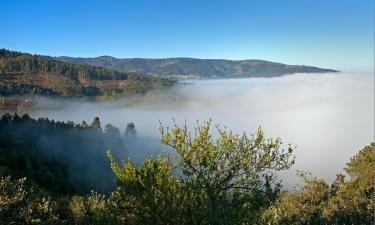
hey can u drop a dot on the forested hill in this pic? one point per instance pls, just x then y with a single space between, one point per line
197 68
52 172
26 74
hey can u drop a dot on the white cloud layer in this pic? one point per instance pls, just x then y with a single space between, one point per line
328 116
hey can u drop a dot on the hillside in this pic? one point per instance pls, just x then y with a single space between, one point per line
56 172
197 68
26 74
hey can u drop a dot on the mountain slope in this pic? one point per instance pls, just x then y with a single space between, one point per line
22 73
197 68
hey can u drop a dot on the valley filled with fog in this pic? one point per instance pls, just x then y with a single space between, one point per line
329 117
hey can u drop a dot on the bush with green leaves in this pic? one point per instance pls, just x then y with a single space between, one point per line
21 204
222 180
12 194
212 176
348 201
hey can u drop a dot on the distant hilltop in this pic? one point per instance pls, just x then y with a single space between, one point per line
187 68
27 74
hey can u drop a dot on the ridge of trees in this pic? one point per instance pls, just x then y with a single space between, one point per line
61 157
225 178
26 74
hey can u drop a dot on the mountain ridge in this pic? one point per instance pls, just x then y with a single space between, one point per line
30 74
186 67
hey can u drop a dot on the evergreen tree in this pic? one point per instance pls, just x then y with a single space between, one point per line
96 123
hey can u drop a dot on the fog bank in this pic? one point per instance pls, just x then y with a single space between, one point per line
328 116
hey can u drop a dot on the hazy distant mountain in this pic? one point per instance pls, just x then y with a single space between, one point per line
197 68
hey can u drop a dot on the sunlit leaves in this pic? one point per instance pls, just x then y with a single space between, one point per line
229 169
344 202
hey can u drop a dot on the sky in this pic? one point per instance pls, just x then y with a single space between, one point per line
337 34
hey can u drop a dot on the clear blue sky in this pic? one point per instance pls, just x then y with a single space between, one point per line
328 33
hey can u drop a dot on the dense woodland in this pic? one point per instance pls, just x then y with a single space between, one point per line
61 157
26 74
229 179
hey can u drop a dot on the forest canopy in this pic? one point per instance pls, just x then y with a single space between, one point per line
225 178
27 74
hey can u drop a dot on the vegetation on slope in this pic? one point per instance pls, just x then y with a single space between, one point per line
26 74
348 201
225 180
198 68
61 157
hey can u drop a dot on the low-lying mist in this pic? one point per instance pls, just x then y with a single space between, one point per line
329 117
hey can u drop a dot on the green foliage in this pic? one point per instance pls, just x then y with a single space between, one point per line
96 124
149 193
67 88
62 157
26 74
353 202
304 206
213 178
19 204
344 202
235 172
12 193
226 180
91 209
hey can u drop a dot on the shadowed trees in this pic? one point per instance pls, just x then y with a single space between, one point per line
214 177
62 157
